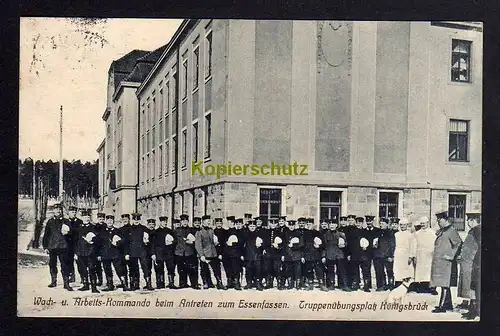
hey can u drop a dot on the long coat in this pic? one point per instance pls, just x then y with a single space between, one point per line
204 243
476 263
405 249
53 237
332 250
424 239
447 243
466 258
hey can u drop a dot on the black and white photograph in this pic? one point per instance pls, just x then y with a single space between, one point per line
250 169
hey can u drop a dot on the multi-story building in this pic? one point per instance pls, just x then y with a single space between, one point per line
386 116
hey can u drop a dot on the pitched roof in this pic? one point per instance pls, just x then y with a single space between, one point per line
143 65
125 64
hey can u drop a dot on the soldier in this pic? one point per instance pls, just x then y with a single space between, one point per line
404 252
424 240
383 257
99 226
294 243
334 257
348 229
254 244
163 247
323 226
247 218
282 226
220 232
186 254
446 247
311 257
372 234
197 226
359 248
205 243
233 254
55 242
136 253
272 253
86 246
150 229
110 240
259 222
124 231
73 222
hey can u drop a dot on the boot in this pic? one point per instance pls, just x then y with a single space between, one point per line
210 283
291 283
160 281
205 283
85 285
230 282
132 283
53 281
269 282
259 285
440 308
109 285
237 283
299 284
171 284
280 283
66 284
99 279
367 286
94 286
390 285
220 285
72 278
322 285
249 283
310 285
303 283
355 286
148 284
124 283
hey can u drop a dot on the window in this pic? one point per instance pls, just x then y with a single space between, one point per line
147 168
184 148
167 157
153 138
153 166
459 140
167 127
208 53
143 171
174 91
196 67
270 203
160 109
174 145
460 60
456 211
153 119
160 166
148 116
143 147
119 163
388 204
174 121
167 100
160 132
208 135
195 142
148 143
330 204
184 78
205 199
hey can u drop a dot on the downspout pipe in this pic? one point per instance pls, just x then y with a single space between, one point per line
176 149
138 152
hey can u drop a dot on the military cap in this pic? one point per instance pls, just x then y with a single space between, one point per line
334 220
163 218
151 220
360 219
404 220
57 206
384 219
101 215
110 217
351 216
282 217
136 216
239 220
264 221
395 220
257 218
474 215
85 212
292 222
126 216
196 219
343 218
176 221
72 208
442 215
251 222
218 220
369 218
205 217
272 221
184 217
301 219
248 216
310 220
231 218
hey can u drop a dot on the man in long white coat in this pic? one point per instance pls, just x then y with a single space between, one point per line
424 239
404 253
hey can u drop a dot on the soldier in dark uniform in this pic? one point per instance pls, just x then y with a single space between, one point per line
99 226
294 243
246 218
163 247
347 227
372 234
110 240
383 256
55 242
334 257
282 226
86 249
150 226
220 232
73 222
233 254
136 253
254 244
259 222
272 253
358 244
124 231
206 248
185 254
311 257
323 228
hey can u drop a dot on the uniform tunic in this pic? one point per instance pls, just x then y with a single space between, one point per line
110 253
424 239
53 237
467 254
447 243
404 249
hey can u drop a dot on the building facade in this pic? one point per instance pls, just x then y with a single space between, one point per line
387 116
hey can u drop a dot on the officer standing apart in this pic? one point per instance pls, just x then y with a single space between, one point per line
446 246
55 242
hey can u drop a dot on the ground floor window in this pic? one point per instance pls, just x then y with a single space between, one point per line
388 204
330 204
456 211
270 203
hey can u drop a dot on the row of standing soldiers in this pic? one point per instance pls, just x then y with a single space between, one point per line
291 252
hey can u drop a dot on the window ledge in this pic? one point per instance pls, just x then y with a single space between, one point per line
196 89
207 159
450 82
184 168
459 163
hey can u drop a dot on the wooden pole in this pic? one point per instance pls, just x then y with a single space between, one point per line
60 155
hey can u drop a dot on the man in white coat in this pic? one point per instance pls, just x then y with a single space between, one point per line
424 248
404 253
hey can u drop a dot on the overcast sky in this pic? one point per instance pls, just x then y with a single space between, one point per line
63 62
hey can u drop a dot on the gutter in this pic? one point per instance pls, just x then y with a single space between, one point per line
176 154
138 151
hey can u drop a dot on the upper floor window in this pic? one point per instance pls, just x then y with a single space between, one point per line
184 78
208 136
108 131
174 91
460 60
458 140
167 99
196 67
208 54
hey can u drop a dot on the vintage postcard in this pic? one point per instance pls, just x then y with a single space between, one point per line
250 169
